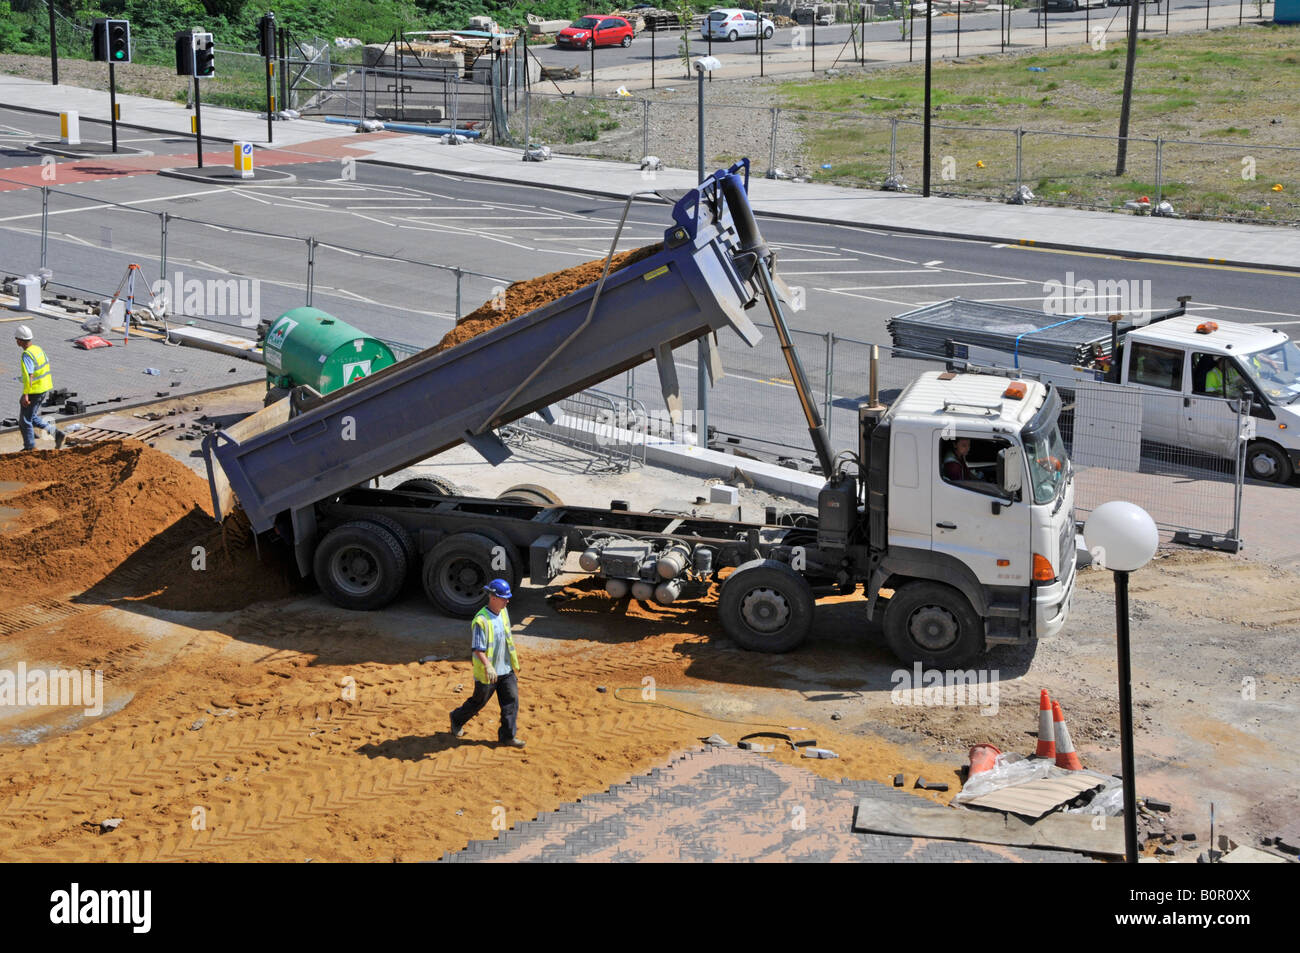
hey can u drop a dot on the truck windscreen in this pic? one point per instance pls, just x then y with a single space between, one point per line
1276 371
1049 465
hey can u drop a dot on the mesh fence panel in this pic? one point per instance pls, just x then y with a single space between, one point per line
1179 462
1235 180
91 243
20 230
269 274
973 161
588 126
1080 170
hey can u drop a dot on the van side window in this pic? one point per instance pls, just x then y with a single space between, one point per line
1156 366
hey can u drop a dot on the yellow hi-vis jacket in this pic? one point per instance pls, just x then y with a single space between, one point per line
40 380
483 620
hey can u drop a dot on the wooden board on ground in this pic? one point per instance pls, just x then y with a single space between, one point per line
1033 799
1060 831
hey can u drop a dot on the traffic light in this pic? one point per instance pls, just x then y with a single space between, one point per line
112 41
185 53
266 35
205 56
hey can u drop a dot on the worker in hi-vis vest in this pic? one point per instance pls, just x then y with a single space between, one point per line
37 383
495 666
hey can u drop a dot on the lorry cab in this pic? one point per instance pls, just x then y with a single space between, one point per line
1215 369
980 498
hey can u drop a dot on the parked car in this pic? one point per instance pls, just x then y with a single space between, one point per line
732 24
586 32
1072 5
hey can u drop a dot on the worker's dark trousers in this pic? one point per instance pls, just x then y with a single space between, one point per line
506 689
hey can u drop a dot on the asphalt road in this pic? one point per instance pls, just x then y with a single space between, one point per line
851 279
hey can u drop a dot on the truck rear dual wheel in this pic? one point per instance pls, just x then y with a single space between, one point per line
435 485
766 606
933 624
458 567
360 565
530 493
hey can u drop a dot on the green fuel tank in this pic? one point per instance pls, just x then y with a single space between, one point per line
309 346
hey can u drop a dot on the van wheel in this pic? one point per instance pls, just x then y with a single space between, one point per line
766 606
933 624
1267 462
360 565
457 569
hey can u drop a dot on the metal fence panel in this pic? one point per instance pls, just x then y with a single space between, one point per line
1181 463
91 243
610 427
20 230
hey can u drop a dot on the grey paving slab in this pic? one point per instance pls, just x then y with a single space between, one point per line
727 805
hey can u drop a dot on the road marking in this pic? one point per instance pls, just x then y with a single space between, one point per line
867 254
849 294
882 271
934 264
944 284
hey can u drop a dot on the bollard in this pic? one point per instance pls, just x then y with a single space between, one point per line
70 128
243 160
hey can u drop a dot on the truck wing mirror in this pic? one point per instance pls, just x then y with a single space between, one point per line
1011 468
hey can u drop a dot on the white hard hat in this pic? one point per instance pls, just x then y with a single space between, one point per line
23 333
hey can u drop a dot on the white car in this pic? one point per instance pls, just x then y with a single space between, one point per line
733 24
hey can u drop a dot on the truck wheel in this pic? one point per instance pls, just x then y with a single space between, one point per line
1267 462
766 606
360 565
435 485
530 493
933 624
457 569
399 533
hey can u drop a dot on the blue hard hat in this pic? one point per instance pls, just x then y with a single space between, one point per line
499 588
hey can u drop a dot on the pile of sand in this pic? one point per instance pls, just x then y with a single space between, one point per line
122 519
525 296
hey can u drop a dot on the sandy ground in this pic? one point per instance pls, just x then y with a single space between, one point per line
292 730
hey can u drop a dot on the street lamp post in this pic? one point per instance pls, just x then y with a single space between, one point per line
1122 538
703 64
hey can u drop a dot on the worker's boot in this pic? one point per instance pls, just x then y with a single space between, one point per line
515 742
59 437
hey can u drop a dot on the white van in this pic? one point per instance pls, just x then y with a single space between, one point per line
731 23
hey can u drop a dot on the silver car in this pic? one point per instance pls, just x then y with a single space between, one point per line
730 23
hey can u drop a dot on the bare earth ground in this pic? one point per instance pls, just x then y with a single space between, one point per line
291 730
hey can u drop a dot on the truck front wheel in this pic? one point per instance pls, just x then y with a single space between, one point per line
360 565
1267 462
766 606
933 624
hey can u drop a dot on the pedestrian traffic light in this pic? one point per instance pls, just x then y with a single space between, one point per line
185 53
111 41
205 56
266 35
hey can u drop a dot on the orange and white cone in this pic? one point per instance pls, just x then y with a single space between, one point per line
1065 756
1046 733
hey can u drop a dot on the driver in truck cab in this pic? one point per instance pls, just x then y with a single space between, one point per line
955 465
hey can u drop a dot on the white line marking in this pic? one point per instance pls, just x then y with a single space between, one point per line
946 284
848 294
934 264
869 271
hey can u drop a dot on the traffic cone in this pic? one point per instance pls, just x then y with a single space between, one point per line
983 757
1046 736
1065 756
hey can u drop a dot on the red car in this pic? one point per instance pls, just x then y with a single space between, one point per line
586 32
